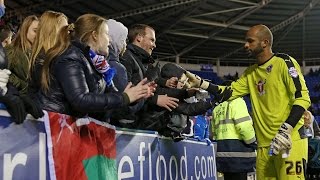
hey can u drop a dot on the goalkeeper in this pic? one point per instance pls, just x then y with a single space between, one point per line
279 97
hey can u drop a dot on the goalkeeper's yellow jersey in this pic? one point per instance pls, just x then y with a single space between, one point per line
274 87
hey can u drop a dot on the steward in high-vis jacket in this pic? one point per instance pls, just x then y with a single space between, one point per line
236 142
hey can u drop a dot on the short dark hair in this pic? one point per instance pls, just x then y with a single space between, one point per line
5 32
137 29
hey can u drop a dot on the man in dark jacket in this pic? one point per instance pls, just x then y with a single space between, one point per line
138 62
137 58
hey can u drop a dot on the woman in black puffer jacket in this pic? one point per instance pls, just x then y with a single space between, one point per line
70 84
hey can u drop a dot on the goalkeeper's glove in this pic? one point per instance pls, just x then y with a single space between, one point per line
195 81
282 140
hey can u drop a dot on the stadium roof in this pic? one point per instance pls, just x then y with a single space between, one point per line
202 31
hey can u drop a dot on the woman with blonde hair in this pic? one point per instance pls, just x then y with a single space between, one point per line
18 53
50 24
69 82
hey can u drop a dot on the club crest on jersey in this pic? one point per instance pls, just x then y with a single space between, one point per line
269 68
260 87
293 72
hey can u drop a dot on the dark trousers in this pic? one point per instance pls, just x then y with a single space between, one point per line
233 176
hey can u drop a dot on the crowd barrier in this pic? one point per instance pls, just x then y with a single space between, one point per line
34 150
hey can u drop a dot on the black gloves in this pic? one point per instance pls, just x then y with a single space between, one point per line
220 97
15 107
19 106
32 107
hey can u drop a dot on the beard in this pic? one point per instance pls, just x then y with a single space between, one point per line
254 52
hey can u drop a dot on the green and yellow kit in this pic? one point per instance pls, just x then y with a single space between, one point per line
274 87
